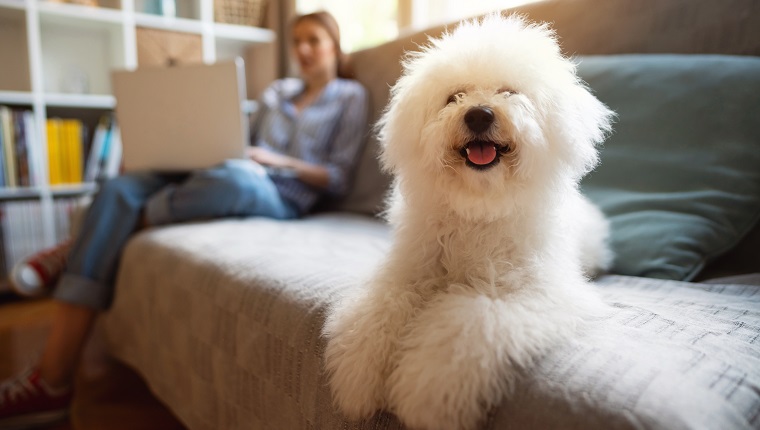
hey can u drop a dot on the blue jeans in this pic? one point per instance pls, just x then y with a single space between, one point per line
237 188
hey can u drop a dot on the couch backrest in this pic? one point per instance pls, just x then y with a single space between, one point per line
584 27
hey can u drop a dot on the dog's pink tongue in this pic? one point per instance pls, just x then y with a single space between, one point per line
481 153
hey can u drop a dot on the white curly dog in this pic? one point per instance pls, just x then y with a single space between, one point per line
487 134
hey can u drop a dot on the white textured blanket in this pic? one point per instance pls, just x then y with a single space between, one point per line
223 320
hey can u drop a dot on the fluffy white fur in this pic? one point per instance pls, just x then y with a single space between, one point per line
488 265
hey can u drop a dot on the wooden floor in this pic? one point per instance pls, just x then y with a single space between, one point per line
108 395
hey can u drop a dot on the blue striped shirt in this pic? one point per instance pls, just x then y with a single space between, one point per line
329 132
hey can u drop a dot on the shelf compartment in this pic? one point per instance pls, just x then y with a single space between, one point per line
159 48
14 52
78 55
234 40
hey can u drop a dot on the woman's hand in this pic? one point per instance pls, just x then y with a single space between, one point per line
269 158
312 174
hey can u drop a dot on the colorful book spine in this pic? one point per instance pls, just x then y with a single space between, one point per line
73 152
55 176
22 154
20 233
9 146
113 158
63 152
2 157
100 141
32 148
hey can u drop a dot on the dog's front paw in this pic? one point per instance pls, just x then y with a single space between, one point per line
356 357
355 380
445 401
456 362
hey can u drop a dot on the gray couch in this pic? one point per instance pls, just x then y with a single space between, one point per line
223 318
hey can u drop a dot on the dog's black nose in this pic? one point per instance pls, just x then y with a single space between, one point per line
478 119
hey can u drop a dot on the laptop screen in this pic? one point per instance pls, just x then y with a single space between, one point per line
183 117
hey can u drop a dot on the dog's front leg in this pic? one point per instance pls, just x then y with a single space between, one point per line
363 331
462 354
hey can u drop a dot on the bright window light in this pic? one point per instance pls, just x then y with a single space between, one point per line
366 23
363 23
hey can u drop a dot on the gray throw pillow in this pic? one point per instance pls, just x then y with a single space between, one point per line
679 177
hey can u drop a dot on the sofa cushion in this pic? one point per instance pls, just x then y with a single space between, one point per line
680 175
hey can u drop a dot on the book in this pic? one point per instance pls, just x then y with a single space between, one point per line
63 151
73 156
113 158
2 157
55 175
3 259
22 236
103 161
100 139
32 147
9 146
22 153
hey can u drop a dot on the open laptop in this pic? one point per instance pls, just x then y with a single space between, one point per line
183 117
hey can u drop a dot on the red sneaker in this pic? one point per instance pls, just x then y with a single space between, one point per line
36 275
28 401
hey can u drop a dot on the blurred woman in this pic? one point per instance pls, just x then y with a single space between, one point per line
306 135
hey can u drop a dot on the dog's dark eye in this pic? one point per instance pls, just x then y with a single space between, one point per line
454 97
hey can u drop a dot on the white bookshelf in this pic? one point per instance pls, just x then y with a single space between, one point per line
44 43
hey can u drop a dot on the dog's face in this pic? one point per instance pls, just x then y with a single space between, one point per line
478 130
489 116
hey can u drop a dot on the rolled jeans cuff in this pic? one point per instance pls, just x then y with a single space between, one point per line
81 291
157 211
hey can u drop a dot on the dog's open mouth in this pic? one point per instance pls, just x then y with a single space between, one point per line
483 154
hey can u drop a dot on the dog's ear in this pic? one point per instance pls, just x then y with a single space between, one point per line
581 123
399 129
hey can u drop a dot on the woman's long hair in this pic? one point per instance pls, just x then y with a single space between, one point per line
328 22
